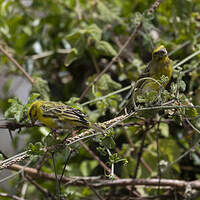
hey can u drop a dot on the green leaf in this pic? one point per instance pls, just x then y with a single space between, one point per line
94 32
169 147
17 110
115 158
81 40
102 151
104 48
71 56
91 32
35 149
108 15
182 85
107 142
33 97
106 83
1 157
164 128
87 166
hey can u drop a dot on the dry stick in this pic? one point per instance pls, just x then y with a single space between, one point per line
96 157
129 56
65 165
34 173
14 159
16 64
132 37
149 182
97 182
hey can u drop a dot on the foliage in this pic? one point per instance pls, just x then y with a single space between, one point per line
64 45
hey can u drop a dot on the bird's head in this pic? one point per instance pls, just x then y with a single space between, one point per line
159 53
33 111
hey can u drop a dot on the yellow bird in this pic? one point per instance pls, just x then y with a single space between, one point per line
159 66
57 115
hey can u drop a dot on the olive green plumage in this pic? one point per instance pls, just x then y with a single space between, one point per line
150 80
159 66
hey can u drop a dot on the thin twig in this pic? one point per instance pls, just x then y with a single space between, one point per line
16 64
95 157
67 160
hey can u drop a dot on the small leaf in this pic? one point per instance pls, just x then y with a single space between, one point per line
33 97
35 149
182 85
115 158
87 166
164 128
108 142
17 110
72 56
105 48
102 151
94 31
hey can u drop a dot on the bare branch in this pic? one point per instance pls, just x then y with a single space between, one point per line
16 64
100 182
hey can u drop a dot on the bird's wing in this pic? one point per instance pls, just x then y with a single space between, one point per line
73 114
64 113
144 74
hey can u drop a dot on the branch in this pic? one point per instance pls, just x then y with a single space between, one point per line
100 182
149 182
10 196
38 174
16 64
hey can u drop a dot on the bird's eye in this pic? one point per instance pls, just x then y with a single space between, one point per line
160 52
